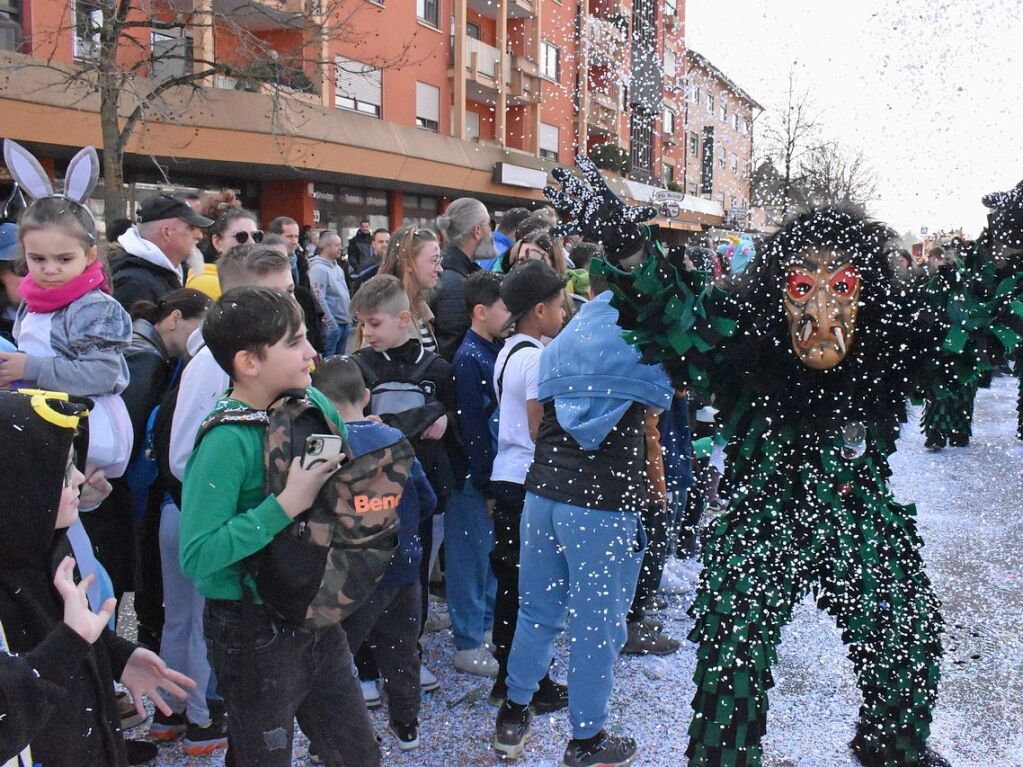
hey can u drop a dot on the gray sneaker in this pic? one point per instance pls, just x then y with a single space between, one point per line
607 749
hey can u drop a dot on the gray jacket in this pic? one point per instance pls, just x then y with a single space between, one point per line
88 337
331 291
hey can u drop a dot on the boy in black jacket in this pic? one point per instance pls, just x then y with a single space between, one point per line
411 389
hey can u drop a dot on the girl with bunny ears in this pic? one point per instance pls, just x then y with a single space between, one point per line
71 333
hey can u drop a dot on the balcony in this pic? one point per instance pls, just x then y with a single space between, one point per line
521 79
602 114
604 41
517 9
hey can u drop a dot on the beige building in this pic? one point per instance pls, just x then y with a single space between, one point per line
718 139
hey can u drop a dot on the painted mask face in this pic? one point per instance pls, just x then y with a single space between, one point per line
822 290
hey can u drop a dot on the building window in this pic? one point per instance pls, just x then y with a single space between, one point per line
721 160
427 106
721 199
172 55
10 25
472 30
694 144
724 111
669 62
88 22
667 174
694 93
710 103
735 164
744 127
426 10
358 86
550 61
550 140
472 125
668 121
735 120
670 8
693 189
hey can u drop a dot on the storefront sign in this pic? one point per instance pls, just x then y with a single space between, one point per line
518 175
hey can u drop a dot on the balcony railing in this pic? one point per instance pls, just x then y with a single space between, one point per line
602 112
521 75
604 41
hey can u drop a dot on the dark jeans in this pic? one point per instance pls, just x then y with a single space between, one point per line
270 673
388 627
504 560
655 524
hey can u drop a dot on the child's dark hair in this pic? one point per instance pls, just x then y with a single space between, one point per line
191 304
383 293
72 217
117 227
340 379
249 319
482 288
582 252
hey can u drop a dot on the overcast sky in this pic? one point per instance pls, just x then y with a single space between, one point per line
931 90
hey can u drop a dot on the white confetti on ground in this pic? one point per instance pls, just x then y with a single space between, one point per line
969 502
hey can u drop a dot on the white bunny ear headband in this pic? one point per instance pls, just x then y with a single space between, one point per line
79 181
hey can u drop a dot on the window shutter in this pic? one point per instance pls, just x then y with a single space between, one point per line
359 81
428 102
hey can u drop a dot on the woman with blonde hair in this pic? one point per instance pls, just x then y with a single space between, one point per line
413 256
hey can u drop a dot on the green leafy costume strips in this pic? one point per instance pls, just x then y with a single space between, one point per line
812 511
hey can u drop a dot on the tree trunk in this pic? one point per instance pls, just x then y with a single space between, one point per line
115 196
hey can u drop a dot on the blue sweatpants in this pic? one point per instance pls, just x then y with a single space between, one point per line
470 583
584 563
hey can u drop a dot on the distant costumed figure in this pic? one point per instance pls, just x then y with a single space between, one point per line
811 361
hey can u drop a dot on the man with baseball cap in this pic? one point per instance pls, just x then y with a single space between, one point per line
146 262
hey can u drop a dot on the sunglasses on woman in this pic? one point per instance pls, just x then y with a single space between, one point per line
243 237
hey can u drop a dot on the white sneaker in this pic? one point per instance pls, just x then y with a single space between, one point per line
476 661
680 576
488 641
427 681
436 620
370 693
674 583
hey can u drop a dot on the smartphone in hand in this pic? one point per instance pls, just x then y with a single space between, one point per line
320 448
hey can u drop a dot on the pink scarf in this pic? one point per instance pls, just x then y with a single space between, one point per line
46 300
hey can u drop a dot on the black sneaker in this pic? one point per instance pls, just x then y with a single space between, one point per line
167 727
140 752
550 697
512 730
605 749
203 741
407 734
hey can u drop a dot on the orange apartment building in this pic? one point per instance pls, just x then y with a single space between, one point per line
422 101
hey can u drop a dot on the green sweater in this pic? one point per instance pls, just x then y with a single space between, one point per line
226 514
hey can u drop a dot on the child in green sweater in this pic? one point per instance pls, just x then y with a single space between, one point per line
268 671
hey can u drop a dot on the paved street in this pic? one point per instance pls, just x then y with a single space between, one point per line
969 502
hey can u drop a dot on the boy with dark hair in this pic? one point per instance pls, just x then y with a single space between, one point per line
468 528
389 622
411 389
583 536
532 292
268 673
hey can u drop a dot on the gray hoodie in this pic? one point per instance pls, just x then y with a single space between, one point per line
331 291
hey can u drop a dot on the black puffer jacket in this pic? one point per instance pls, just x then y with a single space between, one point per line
135 279
451 318
611 478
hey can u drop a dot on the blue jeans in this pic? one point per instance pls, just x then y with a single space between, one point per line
471 586
336 341
585 562
183 644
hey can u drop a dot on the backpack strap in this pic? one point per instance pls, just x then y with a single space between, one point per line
500 378
245 416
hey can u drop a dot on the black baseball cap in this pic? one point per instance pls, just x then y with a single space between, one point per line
529 283
163 206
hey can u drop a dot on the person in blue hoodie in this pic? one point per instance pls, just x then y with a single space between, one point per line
389 622
582 530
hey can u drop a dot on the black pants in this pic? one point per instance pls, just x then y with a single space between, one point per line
270 673
387 627
655 523
111 529
149 575
504 559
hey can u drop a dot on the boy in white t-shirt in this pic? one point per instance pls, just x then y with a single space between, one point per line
533 294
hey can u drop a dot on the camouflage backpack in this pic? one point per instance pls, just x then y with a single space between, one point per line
319 569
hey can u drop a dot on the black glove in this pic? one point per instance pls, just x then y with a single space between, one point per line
1005 221
597 213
